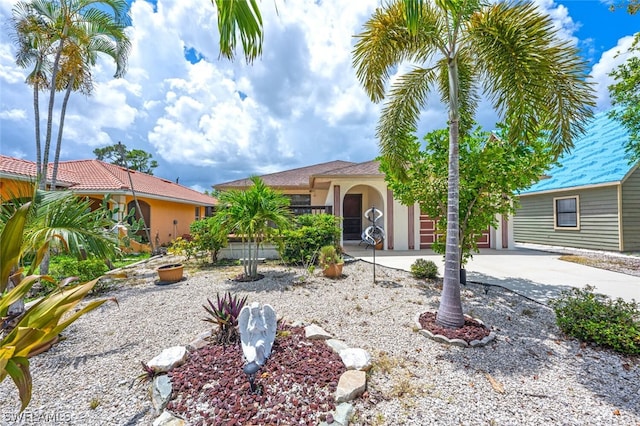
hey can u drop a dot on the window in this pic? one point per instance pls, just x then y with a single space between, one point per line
566 212
299 199
197 213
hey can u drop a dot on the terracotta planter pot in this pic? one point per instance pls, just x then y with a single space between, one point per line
171 273
380 245
333 271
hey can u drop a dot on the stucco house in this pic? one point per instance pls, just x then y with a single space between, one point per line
167 207
591 200
348 190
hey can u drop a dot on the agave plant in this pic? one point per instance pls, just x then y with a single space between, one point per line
224 313
41 324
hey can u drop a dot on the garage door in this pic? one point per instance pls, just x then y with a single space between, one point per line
428 234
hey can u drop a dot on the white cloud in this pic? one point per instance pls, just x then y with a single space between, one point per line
13 114
610 60
302 102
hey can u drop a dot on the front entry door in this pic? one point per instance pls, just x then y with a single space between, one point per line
352 217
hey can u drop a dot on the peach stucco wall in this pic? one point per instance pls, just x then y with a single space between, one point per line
10 188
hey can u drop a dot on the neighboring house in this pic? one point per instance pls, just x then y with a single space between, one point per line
348 190
167 207
591 201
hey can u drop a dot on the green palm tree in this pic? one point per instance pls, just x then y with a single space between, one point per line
256 215
507 51
72 32
33 49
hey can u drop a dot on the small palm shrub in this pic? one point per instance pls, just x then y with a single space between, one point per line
598 319
328 256
224 313
423 268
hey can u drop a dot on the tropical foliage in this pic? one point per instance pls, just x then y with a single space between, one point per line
61 40
41 323
240 18
507 51
301 243
224 314
625 97
255 215
492 172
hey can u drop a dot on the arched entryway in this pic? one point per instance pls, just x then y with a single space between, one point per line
356 201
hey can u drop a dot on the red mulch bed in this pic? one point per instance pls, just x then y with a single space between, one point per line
470 331
297 383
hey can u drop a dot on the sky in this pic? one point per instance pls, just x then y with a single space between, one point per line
207 120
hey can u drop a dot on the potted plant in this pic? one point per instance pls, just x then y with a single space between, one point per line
330 261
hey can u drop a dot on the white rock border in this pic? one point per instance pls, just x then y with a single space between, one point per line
456 342
340 416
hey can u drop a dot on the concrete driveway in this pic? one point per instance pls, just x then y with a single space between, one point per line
538 275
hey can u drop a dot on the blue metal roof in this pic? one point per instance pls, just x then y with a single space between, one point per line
597 157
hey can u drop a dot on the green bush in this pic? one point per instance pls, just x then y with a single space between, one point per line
206 236
596 318
85 270
423 268
300 245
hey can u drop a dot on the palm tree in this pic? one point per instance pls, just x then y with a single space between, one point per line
255 215
507 51
73 32
32 49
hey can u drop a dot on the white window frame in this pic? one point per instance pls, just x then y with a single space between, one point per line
555 214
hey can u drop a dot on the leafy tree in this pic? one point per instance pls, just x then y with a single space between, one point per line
62 39
136 159
625 95
256 215
492 172
509 51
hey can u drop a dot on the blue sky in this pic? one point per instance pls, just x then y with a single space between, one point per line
206 120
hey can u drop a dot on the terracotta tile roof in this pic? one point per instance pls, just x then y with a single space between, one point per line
16 166
294 178
87 176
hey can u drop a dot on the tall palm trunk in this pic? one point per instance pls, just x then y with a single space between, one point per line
36 113
63 112
450 310
52 97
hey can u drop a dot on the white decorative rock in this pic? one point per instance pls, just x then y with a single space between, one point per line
314 332
355 359
160 392
337 345
168 419
343 413
351 385
169 358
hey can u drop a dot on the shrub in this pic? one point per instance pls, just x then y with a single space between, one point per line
596 318
85 270
224 313
311 232
423 268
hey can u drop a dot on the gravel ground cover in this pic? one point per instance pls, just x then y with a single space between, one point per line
531 374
